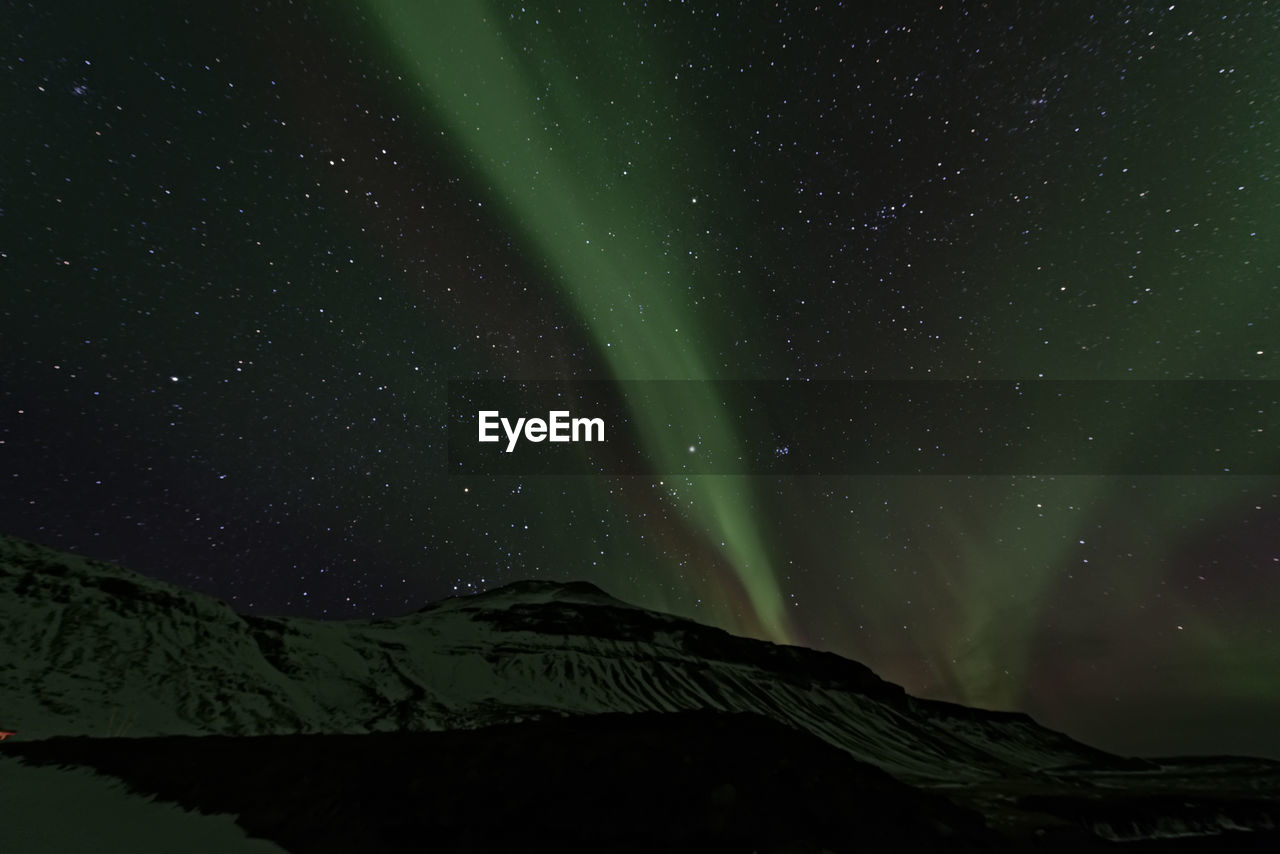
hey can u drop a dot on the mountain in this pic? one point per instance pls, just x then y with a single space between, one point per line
95 647
94 651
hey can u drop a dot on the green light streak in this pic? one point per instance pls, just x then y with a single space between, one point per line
556 133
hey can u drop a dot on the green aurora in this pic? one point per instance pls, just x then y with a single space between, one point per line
524 117
546 121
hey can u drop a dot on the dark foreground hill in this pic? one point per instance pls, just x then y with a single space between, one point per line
643 783
679 782
553 715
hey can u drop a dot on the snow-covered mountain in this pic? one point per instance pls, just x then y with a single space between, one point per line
94 649
91 649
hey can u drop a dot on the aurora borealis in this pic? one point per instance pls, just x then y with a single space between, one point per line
243 252
510 99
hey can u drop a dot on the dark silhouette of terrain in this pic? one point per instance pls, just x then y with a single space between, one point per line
648 782
680 782
545 715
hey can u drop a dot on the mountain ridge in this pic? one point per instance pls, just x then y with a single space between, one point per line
98 638
98 652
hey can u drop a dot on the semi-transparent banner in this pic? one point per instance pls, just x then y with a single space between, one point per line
987 427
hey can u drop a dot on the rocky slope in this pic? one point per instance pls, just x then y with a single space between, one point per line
91 649
94 649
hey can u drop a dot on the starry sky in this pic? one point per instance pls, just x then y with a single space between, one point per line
245 247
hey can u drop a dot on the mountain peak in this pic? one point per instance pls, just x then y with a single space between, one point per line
567 588
531 592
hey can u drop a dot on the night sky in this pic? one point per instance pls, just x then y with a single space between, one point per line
244 247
